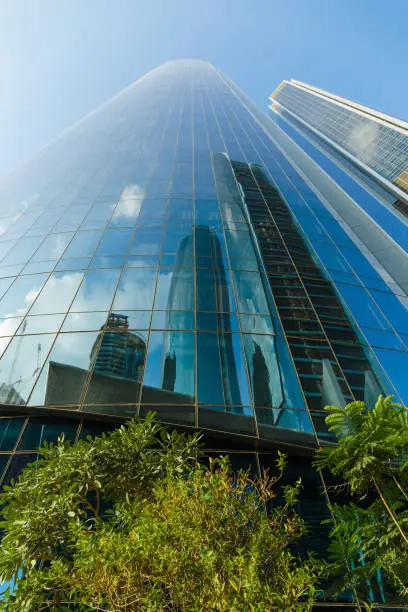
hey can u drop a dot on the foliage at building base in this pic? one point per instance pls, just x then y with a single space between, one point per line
133 521
369 546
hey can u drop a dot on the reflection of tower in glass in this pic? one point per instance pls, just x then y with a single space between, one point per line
322 339
121 353
260 378
211 288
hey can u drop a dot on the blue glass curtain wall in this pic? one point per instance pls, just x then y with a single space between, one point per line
131 278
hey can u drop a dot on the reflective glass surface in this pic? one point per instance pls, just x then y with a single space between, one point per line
165 255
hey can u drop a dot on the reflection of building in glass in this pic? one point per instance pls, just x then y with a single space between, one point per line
320 335
115 370
119 352
10 395
220 371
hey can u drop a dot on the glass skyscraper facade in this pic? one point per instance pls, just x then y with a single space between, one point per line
172 252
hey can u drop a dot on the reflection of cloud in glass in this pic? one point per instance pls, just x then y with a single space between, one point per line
130 202
136 289
57 293
363 141
21 295
6 223
9 326
74 349
69 351
22 362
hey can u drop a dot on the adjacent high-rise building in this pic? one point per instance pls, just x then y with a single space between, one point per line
179 251
374 142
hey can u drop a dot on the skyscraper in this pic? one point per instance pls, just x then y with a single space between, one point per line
253 291
374 142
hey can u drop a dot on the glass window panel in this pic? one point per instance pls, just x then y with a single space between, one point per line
359 263
140 175
182 179
165 319
5 284
142 261
363 307
71 218
146 241
179 240
175 289
118 368
38 266
264 370
250 293
231 211
252 324
209 262
58 293
67 369
158 187
136 290
240 245
22 251
331 256
137 319
97 290
72 264
395 364
6 246
4 342
206 210
376 337
39 431
126 213
21 364
38 324
169 374
184 260
154 209
227 322
11 270
206 290
396 312
9 430
209 242
52 247
84 321
9 326
111 190
293 396
107 262
114 242
21 295
207 321
99 215
83 244
180 209
241 372
211 377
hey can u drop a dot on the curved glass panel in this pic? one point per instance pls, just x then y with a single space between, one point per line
164 254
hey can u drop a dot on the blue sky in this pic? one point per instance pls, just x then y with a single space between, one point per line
61 58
